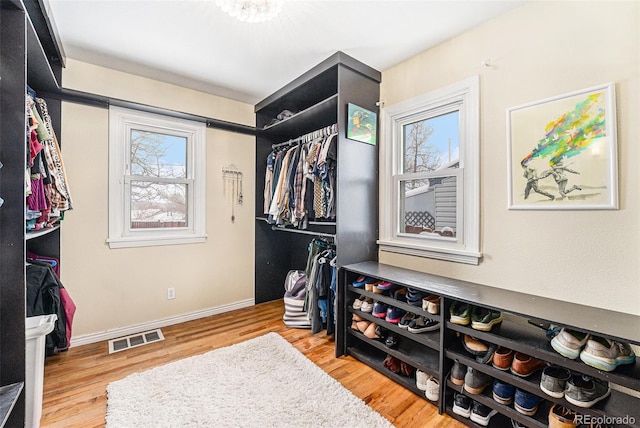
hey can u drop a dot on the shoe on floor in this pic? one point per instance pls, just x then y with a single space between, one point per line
584 391
462 405
561 417
484 319
525 365
526 403
503 392
605 354
423 324
457 373
569 343
481 414
460 313
476 381
433 389
554 380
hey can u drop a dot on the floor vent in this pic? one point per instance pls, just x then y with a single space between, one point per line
135 340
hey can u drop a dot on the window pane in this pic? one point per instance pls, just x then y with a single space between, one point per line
158 205
158 155
431 144
428 206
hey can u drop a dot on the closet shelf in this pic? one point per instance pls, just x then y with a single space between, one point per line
41 232
314 117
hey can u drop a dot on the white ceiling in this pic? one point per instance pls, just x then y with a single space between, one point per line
192 43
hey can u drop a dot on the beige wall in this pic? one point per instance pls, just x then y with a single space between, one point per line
540 50
118 288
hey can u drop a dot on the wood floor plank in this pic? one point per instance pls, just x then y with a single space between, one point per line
75 382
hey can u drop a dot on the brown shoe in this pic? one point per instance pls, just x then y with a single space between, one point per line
561 417
474 346
524 365
502 358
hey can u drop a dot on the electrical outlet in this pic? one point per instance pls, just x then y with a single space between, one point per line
171 293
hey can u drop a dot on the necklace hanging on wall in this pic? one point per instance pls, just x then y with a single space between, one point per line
232 179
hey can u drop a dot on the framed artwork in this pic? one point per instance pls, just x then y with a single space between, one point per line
362 124
562 152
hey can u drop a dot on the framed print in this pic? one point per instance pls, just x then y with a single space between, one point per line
362 124
562 152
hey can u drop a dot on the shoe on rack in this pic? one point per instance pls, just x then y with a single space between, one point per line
381 332
423 324
370 331
526 403
460 313
525 365
361 281
400 294
394 315
379 310
561 417
414 296
502 358
605 354
357 304
474 346
367 305
433 389
569 343
584 391
516 424
371 284
431 304
457 373
385 286
554 380
503 392
392 363
476 381
391 340
462 405
421 380
481 414
484 319
406 320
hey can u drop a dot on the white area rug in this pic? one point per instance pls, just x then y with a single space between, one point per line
263 382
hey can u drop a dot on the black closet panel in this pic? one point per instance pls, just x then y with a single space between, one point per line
272 257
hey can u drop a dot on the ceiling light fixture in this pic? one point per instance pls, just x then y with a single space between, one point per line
251 10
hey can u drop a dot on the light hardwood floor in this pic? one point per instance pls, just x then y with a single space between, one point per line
75 382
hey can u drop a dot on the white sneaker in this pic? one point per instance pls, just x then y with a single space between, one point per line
433 389
421 380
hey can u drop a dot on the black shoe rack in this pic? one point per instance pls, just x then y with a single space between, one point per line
434 352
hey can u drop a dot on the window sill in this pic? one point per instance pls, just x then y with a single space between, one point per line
452 255
155 241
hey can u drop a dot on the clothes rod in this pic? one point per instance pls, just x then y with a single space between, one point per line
322 132
304 232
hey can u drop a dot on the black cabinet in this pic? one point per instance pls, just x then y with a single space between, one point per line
526 321
24 62
318 99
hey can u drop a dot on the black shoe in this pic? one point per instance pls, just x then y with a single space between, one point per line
462 405
481 414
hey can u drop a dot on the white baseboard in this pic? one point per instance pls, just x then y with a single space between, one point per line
86 339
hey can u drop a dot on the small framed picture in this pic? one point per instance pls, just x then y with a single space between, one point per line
362 125
562 152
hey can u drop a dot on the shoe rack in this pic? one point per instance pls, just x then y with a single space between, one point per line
520 330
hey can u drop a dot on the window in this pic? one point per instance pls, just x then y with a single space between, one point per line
430 175
156 179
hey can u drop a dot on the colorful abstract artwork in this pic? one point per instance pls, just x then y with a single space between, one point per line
362 124
562 152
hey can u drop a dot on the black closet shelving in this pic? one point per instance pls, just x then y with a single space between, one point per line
318 99
519 331
30 56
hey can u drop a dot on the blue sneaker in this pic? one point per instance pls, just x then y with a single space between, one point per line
503 392
394 315
380 310
526 403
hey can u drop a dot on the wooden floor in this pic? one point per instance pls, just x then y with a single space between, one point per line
75 382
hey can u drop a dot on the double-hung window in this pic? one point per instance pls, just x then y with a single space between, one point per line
430 175
156 179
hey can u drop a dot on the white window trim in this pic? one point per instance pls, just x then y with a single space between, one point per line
120 122
465 248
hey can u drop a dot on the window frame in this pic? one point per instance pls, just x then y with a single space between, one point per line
464 97
121 235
